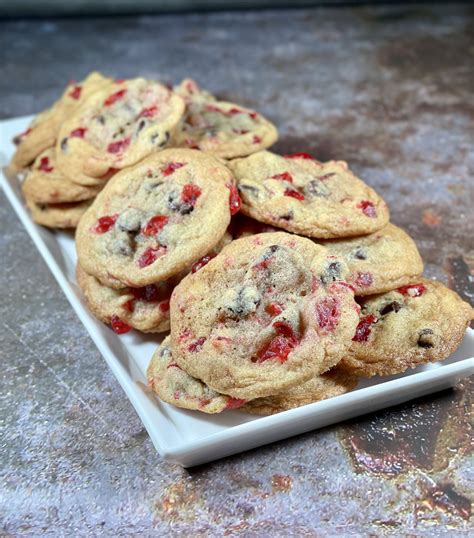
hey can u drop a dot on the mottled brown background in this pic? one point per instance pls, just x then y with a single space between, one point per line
390 89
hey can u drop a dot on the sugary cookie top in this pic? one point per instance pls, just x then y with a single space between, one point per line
157 218
119 125
305 196
225 129
419 322
380 261
270 311
173 385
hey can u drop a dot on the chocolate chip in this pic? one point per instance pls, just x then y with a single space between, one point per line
426 338
248 188
154 137
332 273
394 306
17 139
273 248
245 302
141 125
100 119
360 253
287 217
317 188
183 208
165 141
64 144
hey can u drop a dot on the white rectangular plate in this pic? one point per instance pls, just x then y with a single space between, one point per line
190 438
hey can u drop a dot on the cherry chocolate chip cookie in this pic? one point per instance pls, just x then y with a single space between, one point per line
46 184
174 386
117 127
145 309
155 219
304 196
417 323
60 215
378 262
43 131
225 129
269 312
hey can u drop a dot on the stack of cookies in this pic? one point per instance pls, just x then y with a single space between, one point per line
308 288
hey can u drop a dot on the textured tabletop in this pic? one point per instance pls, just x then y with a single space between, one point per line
388 89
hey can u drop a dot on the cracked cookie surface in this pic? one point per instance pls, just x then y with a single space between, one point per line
155 219
116 127
415 324
43 130
307 197
270 311
225 129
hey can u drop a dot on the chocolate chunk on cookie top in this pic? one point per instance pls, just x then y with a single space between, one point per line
155 219
417 323
379 262
117 127
304 196
225 129
173 385
270 311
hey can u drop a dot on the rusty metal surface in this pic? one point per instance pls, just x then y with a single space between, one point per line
390 89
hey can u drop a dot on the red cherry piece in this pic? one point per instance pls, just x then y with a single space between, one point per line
326 176
279 347
171 167
274 309
44 165
284 176
294 194
111 99
155 225
119 145
129 305
23 135
75 93
164 306
212 108
118 326
148 112
240 131
234 111
256 139
368 208
328 313
234 403
301 155
105 223
364 328
364 280
79 132
202 262
412 290
196 345
253 115
234 200
149 256
190 194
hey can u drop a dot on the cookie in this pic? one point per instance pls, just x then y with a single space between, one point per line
379 262
46 184
307 197
415 324
322 387
174 386
65 215
269 312
115 128
44 129
145 309
153 220
225 129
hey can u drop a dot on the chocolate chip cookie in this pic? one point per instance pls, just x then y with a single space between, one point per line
307 197
46 184
61 215
417 323
115 128
269 312
219 127
155 219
